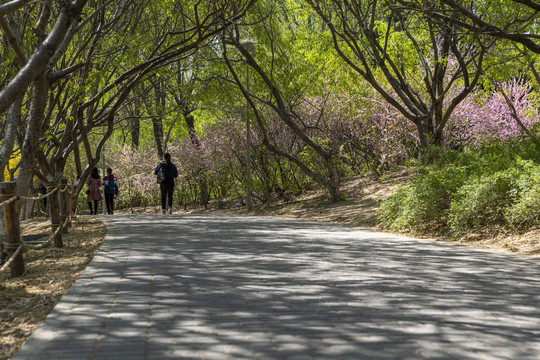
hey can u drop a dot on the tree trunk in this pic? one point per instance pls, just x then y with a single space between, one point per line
135 124
32 136
157 119
12 228
12 122
158 135
203 183
54 207
135 130
38 62
334 180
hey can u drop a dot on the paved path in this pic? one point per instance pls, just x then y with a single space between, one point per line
230 287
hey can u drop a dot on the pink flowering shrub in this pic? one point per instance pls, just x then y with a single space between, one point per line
134 169
372 135
484 118
214 161
364 131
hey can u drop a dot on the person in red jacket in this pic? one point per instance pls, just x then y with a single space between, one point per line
110 184
93 192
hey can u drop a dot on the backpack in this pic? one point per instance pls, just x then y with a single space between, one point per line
110 186
161 175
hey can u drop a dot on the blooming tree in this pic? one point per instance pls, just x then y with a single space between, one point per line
484 118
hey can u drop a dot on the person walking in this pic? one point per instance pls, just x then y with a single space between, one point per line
94 191
111 189
169 172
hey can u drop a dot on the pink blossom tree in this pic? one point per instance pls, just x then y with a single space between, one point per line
487 117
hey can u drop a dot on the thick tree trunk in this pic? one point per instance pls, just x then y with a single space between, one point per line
158 135
334 180
12 122
39 61
12 228
135 130
31 139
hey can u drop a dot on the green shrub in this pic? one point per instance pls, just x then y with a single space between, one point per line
499 184
483 201
525 212
390 208
493 158
422 206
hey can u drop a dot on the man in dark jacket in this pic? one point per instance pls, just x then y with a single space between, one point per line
170 173
110 188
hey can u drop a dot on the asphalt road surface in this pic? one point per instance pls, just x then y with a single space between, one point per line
236 287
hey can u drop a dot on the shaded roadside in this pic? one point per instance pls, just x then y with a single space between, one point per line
26 301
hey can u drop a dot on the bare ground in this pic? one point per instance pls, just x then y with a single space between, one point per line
25 301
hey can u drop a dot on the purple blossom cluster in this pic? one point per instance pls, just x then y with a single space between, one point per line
210 160
134 169
482 118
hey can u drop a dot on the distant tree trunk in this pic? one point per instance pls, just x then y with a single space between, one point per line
135 124
76 153
157 124
203 183
157 119
135 128
190 122
280 108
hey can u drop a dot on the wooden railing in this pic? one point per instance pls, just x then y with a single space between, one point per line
59 203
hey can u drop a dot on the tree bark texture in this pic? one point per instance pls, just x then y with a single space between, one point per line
12 227
38 62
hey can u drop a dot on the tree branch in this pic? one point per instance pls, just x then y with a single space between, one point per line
12 6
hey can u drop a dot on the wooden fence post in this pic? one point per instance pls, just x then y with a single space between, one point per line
54 207
12 227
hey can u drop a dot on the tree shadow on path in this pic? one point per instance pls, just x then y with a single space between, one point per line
234 287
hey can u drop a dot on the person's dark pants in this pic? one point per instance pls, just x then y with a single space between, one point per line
167 189
95 207
109 200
